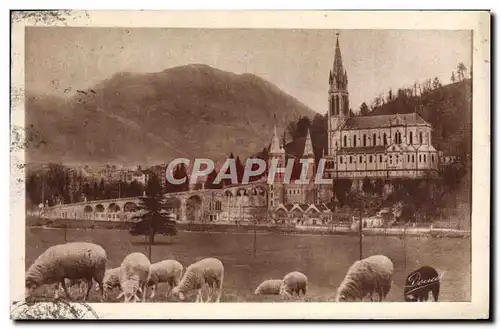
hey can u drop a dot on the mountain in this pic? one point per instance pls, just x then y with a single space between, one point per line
447 108
187 111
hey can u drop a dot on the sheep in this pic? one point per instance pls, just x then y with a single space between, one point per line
420 282
206 272
294 283
367 277
168 271
111 279
269 287
74 260
134 275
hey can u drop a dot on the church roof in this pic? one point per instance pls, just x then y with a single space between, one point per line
384 121
426 148
308 148
275 143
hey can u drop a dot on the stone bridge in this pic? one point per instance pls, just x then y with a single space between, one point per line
236 202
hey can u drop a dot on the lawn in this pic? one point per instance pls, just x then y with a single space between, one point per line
324 259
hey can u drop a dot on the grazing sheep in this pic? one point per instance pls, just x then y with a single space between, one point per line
134 275
111 279
420 282
367 277
74 260
269 287
168 271
294 283
206 272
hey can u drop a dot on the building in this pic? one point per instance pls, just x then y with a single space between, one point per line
381 147
374 146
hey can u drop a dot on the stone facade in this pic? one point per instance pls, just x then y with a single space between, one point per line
374 146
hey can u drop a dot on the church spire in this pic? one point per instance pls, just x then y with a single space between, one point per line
308 149
338 72
338 67
275 142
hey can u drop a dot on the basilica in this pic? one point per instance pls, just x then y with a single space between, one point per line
381 147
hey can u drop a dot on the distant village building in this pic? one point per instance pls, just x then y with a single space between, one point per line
137 176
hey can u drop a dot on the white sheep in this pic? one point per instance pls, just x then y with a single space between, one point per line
269 287
206 272
167 271
111 279
74 260
294 283
134 275
365 278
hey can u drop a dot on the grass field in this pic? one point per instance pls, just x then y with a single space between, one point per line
324 259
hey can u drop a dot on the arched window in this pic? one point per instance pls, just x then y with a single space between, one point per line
341 160
411 137
337 105
420 158
360 159
354 140
370 159
421 138
380 158
433 158
397 137
346 104
425 158
350 159
374 141
345 141
364 140
385 139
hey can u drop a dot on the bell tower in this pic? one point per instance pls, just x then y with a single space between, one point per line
338 101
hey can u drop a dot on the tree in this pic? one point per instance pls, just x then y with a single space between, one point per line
303 125
390 96
95 191
154 214
135 189
363 109
461 70
453 79
319 135
101 189
367 186
436 83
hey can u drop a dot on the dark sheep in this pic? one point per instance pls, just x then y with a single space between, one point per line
420 282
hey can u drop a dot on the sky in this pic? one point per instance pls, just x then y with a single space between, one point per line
60 60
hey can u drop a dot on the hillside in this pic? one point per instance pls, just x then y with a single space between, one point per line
189 111
448 109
